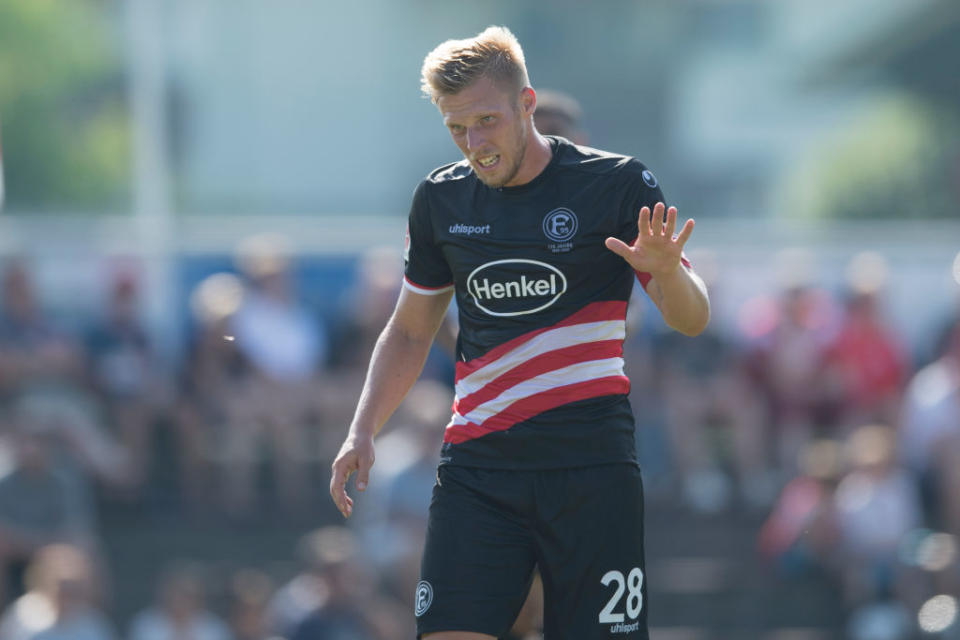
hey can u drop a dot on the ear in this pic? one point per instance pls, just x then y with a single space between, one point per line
528 101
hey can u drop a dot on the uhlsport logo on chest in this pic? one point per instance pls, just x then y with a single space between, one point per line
515 286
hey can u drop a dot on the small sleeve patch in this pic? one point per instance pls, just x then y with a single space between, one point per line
649 179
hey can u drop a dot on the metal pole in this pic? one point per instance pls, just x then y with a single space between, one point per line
152 213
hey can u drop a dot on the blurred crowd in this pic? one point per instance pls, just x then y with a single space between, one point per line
264 388
812 413
807 412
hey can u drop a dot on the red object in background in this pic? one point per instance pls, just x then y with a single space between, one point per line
870 361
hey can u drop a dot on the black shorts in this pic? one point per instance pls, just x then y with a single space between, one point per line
488 529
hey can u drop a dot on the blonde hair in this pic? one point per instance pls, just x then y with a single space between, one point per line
454 65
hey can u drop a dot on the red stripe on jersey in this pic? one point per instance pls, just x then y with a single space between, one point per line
593 312
550 361
533 405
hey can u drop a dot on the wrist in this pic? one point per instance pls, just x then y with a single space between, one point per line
670 275
361 432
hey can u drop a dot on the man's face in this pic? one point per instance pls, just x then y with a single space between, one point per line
490 127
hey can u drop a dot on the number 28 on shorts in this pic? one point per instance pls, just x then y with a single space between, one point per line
611 612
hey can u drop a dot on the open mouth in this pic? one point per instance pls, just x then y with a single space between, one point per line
489 162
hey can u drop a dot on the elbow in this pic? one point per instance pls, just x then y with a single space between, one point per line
406 338
691 331
692 327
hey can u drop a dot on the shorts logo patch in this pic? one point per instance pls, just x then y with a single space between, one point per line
649 179
424 598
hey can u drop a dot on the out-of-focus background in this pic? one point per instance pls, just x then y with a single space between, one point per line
203 213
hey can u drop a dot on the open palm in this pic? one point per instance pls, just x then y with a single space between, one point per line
655 251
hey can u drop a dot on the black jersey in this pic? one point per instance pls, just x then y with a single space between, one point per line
542 306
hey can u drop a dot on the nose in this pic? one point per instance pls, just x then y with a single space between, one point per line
475 139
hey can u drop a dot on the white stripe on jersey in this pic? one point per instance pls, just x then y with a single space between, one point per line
539 345
424 291
580 372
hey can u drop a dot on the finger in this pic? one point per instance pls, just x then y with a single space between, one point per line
685 233
657 222
671 223
338 495
643 222
363 473
335 484
338 484
618 246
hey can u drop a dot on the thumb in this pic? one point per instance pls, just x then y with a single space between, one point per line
363 473
618 246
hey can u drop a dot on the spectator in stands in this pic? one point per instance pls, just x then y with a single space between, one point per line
875 505
286 346
37 358
799 533
250 591
33 352
865 363
62 602
333 593
306 591
559 114
788 344
930 434
180 611
212 398
127 376
379 274
47 495
943 334
712 409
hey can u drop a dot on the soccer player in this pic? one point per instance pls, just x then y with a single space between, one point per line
539 240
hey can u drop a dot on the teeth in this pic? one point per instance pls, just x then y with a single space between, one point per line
489 160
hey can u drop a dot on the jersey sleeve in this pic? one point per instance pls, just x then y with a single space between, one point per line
642 190
425 269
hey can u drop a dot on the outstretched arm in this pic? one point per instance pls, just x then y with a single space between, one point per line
677 291
396 363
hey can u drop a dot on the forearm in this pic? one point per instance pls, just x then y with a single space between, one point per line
684 303
395 365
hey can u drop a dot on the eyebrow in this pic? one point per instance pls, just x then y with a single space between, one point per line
483 114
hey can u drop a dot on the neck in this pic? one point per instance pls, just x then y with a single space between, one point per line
535 160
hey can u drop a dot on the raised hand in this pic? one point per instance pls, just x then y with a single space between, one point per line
656 250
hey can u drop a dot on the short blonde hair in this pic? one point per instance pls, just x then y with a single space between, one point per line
454 65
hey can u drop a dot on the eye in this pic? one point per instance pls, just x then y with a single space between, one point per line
487 119
456 129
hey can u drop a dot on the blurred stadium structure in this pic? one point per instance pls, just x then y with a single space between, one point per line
148 139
